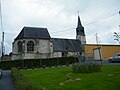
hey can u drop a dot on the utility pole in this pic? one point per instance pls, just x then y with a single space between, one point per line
2 46
97 38
97 41
2 43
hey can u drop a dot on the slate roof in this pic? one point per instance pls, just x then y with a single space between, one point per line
67 45
33 33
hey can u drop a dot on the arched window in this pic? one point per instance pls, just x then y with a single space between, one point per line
30 46
19 44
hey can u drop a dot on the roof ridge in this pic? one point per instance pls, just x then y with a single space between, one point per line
64 38
33 27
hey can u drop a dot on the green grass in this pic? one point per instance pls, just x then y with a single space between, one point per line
50 79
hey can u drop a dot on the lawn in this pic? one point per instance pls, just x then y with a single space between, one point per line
57 79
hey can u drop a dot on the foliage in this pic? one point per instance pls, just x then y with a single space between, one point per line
21 82
37 63
87 67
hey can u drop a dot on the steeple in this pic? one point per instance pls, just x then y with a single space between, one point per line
80 34
79 22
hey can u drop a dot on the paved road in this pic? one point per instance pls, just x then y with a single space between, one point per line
105 62
6 82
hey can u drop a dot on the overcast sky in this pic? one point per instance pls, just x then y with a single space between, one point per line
60 18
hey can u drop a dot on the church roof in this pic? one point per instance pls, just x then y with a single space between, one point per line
33 33
67 45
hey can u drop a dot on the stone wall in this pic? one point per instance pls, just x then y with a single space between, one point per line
42 49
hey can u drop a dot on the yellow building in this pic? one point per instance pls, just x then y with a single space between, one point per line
103 52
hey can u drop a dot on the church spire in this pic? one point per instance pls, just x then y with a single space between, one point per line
79 22
80 34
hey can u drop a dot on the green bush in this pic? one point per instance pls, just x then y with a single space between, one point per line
21 82
86 67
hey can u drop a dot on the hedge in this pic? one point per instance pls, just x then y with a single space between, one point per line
88 67
38 63
21 82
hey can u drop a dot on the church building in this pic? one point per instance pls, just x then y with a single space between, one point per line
36 43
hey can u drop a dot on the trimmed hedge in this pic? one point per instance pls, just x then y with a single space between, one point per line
21 82
88 67
37 63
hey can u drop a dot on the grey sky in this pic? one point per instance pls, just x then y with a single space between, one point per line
61 15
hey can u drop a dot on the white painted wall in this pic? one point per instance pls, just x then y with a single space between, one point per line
97 54
44 46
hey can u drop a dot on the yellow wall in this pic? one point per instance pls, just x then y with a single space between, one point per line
106 50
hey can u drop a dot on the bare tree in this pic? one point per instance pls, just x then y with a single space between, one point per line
117 36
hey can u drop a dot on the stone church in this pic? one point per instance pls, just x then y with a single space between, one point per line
36 43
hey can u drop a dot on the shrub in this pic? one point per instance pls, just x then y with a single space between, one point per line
89 67
21 82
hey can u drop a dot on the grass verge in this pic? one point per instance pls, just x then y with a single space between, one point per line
21 81
63 78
